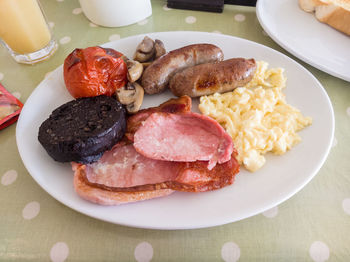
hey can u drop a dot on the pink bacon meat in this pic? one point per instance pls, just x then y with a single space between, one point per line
183 138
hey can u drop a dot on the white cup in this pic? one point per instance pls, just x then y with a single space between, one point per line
116 13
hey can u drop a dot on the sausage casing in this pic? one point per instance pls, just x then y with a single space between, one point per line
157 75
206 79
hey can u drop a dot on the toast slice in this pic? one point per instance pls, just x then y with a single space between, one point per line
310 5
335 13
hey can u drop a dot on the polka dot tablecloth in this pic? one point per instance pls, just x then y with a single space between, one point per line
314 225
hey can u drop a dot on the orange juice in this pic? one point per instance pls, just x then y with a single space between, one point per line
22 26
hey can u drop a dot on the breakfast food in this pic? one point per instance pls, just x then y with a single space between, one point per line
135 70
120 158
123 175
310 5
335 13
149 50
83 129
157 75
184 137
106 197
209 78
131 95
94 71
122 169
257 117
174 106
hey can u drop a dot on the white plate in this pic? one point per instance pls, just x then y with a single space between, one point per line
304 36
251 194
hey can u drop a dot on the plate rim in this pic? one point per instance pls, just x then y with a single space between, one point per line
219 221
259 8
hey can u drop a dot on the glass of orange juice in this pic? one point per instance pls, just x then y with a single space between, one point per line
24 31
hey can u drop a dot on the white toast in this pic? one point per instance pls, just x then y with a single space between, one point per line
335 13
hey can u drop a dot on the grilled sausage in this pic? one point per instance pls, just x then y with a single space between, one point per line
206 79
157 75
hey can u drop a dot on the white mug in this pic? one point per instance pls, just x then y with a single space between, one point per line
116 13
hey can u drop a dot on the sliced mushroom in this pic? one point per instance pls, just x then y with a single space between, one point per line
126 94
159 48
145 50
131 95
138 98
135 70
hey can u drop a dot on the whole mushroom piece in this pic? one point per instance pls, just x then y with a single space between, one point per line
159 48
149 50
145 50
131 95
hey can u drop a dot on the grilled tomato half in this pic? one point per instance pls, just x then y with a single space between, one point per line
94 71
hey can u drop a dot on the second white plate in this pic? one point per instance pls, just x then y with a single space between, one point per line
304 36
252 193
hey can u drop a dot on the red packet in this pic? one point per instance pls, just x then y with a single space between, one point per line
10 107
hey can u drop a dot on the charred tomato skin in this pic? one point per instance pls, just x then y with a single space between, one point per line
94 71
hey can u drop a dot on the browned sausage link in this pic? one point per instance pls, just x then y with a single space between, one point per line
157 75
210 78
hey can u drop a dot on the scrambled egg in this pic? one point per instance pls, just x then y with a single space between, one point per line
257 117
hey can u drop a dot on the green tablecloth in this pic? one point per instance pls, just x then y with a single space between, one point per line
314 225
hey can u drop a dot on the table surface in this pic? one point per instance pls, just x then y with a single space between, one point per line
314 225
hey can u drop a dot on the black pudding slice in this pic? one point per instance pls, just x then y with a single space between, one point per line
83 129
